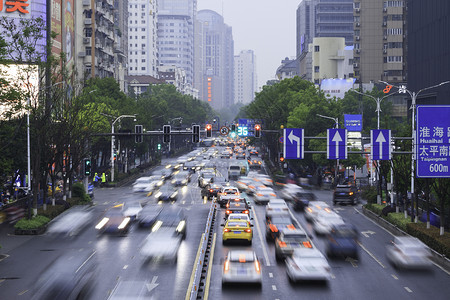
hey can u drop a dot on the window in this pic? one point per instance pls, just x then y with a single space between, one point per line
88 32
316 69
143 68
316 48
88 50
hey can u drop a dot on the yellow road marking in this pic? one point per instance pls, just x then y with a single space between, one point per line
191 281
208 277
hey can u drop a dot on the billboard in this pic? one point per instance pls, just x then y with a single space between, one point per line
336 87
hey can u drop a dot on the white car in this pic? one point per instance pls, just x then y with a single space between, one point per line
70 223
162 243
324 221
263 195
290 190
307 264
408 253
242 183
132 209
146 184
241 266
227 193
314 208
276 207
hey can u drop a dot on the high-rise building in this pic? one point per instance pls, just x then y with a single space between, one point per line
176 34
121 42
142 37
244 77
380 41
217 85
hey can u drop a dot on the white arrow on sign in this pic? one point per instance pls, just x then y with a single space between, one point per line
337 138
292 137
366 233
380 140
153 284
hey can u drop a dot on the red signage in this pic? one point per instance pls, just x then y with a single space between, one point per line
15 6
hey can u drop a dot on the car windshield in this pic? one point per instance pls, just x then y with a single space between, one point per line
237 224
241 256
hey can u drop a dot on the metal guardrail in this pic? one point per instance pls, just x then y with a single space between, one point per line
197 289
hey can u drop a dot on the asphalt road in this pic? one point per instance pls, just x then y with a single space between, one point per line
119 262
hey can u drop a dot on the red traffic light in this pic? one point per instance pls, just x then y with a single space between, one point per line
208 126
257 127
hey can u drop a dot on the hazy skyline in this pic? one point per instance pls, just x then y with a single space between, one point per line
265 26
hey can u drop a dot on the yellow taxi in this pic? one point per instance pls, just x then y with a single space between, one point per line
237 230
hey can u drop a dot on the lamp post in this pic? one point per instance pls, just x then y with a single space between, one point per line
378 110
113 139
413 96
336 124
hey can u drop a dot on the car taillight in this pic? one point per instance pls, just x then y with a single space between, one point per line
226 230
273 228
211 190
248 230
309 209
257 266
245 211
291 227
228 212
307 244
260 195
351 193
228 205
282 244
226 266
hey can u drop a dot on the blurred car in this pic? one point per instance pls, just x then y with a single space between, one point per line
162 244
253 152
277 223
213 189
114 221
324 221
181 178
408 252
241 266
342 241
70 276
237 230
254 163
163 173
289 191
240 155
229 192
307 264
190 166
205 178
226 154
148 215
289 240
70 222
263 194
253 187
243 182
276 207
301 200
314 208
146 184
166 193
173 218
132 209
238 205
345 194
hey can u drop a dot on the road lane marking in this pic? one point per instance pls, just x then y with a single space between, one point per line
266 256
22 292
395 277
208 276
371 255
191 281
408 289
274 287
271 275
125 267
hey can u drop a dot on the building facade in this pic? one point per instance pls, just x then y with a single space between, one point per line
245 81
142 37
121 43
217 86
287 69
175 34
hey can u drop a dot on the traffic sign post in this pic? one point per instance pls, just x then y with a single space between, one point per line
380 143
224 130
433 141
293 143
336 143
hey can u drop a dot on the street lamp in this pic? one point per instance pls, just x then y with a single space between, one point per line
113 139
336 124
414 96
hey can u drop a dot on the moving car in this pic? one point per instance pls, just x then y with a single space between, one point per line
238 217
263 194
166 193
162 243
205 178
132 209
148 215
345 194
307 264
70 222
237 230
342 241
181 178
238 205
301 200
173 218
241 266
276 207
114 221
234 171
314 208
254 163
227 193
146 184
408 252
289 240
289 191
324 221
275 224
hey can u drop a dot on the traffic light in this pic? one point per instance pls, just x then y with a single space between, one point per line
87 167
257 131
281 158
208 130
233 127
195 133
138 131
166 130
159 146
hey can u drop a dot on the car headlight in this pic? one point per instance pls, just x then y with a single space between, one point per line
157 225
124 223
174 195
102 223
158 194
180 226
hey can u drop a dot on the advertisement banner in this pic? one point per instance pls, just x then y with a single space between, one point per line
336 87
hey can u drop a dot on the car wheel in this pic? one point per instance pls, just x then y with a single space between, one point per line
224 242
278 257
250 242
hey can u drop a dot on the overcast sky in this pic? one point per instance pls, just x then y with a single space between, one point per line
265 26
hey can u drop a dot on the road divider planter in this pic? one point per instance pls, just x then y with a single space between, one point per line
34 226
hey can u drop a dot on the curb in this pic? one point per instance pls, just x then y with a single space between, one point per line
438 258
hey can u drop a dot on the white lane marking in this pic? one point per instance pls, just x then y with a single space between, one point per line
274 287
125 267
183 202
266 255
395 277
271 275
371 255
408 289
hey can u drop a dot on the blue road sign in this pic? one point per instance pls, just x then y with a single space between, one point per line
380 142
293 143
353 122
337 143
433 141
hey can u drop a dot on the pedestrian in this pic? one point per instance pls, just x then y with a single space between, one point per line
95 179
103 179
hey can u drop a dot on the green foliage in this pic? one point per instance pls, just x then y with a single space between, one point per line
52 211
431 237
370 194
79 191
34 223
398 219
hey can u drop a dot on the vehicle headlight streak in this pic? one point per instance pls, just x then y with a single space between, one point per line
180 226
102 223
157 225
124 223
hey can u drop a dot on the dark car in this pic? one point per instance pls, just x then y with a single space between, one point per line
345 194
342 241
166 193
114 221
238 205
172 217
275 224
301 200
211 190
148 216
205 178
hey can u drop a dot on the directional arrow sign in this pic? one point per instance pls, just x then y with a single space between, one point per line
367 233
153 284
380 140
293 143
337 144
